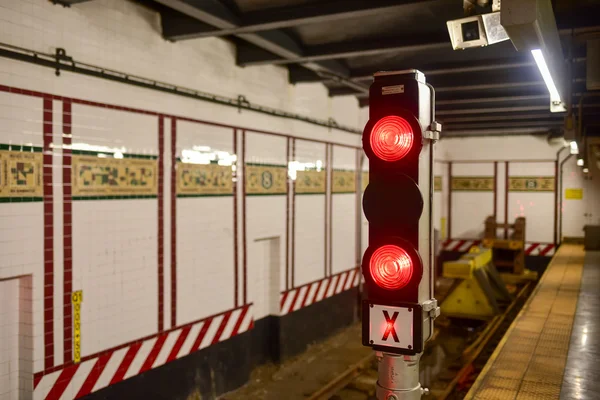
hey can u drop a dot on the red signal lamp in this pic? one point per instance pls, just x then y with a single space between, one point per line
391 267
392 138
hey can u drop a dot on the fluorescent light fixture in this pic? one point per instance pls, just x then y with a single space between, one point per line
543 67
580 162
585 170
574 148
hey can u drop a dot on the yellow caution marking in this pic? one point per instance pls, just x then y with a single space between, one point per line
76 299
530 359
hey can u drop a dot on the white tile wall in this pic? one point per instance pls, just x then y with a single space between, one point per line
26 332
16 339
204 257
97 126
265 219
310 247
115 243
9 339
470 209
309 222
115 265
535 207
343 218
136 46
20 119
496 148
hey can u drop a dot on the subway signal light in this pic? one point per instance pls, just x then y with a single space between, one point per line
397 265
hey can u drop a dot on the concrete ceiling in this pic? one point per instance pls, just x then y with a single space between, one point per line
342 43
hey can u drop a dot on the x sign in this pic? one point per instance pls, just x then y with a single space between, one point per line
391 328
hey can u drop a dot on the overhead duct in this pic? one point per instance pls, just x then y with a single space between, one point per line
531 27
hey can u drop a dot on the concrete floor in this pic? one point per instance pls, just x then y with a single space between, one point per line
302 376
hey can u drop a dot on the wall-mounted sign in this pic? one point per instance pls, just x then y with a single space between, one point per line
531 184
573 194
437 183
310 182
266 179
21 174
76 299
102 177
204 180
344 182
473 183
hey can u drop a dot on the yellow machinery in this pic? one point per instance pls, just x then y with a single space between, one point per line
479 288
509 253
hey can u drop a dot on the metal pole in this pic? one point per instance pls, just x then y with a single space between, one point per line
398 377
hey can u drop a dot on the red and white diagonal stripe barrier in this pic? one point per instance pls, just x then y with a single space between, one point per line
531 248
540 249
112 366
313 292
461 245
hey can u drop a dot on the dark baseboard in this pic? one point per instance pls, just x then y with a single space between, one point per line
316 322
226 366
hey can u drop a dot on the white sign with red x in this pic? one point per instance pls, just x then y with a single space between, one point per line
391 326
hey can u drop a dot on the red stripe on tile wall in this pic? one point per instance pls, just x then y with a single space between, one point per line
173 222
161 227
67 232
48 237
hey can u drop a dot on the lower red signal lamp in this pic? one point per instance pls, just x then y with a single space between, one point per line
391 267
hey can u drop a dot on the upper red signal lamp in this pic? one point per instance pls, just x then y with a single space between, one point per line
391 267
392 138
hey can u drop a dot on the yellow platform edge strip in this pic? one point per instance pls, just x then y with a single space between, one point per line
479 382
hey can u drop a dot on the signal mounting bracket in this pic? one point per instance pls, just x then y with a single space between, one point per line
431 307
433 133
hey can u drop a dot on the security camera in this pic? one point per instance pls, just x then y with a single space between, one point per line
476 31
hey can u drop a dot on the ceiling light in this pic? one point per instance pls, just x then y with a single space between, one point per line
574 148
585 170
580 162
538 56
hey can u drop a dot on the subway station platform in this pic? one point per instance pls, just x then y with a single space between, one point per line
552 349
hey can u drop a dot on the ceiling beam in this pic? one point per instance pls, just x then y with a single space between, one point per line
371 47
454 127
492 110
491 65
496 132
465 69
68 3
495 118
322 12
498 99
343 91
214 13
355 49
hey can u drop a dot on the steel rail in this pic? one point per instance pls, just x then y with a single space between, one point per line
471 353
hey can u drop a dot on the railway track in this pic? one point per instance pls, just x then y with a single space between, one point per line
455 378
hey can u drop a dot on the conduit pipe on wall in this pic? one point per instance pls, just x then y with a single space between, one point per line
66 63
560 194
